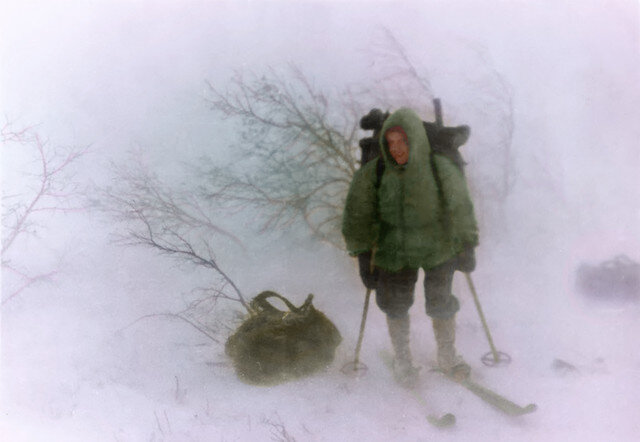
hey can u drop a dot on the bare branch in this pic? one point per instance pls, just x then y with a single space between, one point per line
299 135
279 431
27 281
51 195
52 192
175 316
168 220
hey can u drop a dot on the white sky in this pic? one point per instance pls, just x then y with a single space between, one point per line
126 74
127 66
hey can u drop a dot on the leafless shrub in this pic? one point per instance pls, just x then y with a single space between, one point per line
46 189
298 151
398 81
492 99
176 223
298 142
303 143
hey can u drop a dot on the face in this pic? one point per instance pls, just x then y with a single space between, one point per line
398 148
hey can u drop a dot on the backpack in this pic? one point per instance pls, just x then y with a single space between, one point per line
443 140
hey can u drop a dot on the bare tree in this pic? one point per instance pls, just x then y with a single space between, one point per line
177 223
297 154
303 143
45 189
299 148
493 100
298 142
487 98
482 96
398 80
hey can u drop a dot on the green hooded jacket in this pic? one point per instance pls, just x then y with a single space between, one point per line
404 217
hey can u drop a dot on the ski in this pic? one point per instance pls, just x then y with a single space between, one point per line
440 421
492 398
443 421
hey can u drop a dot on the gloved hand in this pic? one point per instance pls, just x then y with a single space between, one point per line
369 277
466 260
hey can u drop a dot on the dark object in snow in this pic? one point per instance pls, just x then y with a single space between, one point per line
563 367
274 346
615 279
443 140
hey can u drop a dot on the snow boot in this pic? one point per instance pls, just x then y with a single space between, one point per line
448 360
404 372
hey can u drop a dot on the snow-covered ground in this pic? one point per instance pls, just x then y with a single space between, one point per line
76 368
80 358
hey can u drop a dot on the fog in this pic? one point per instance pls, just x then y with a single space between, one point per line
77 363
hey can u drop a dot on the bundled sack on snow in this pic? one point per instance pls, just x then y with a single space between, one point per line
273 346
617 278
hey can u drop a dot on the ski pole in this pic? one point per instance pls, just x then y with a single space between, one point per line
356 365
363 321
498 356
352 367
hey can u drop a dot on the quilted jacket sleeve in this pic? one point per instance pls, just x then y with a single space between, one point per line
360 220
464 226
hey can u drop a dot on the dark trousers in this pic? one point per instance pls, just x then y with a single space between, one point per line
395 292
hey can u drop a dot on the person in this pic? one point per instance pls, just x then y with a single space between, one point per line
414 213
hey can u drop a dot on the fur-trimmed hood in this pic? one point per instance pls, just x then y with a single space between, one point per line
419 147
